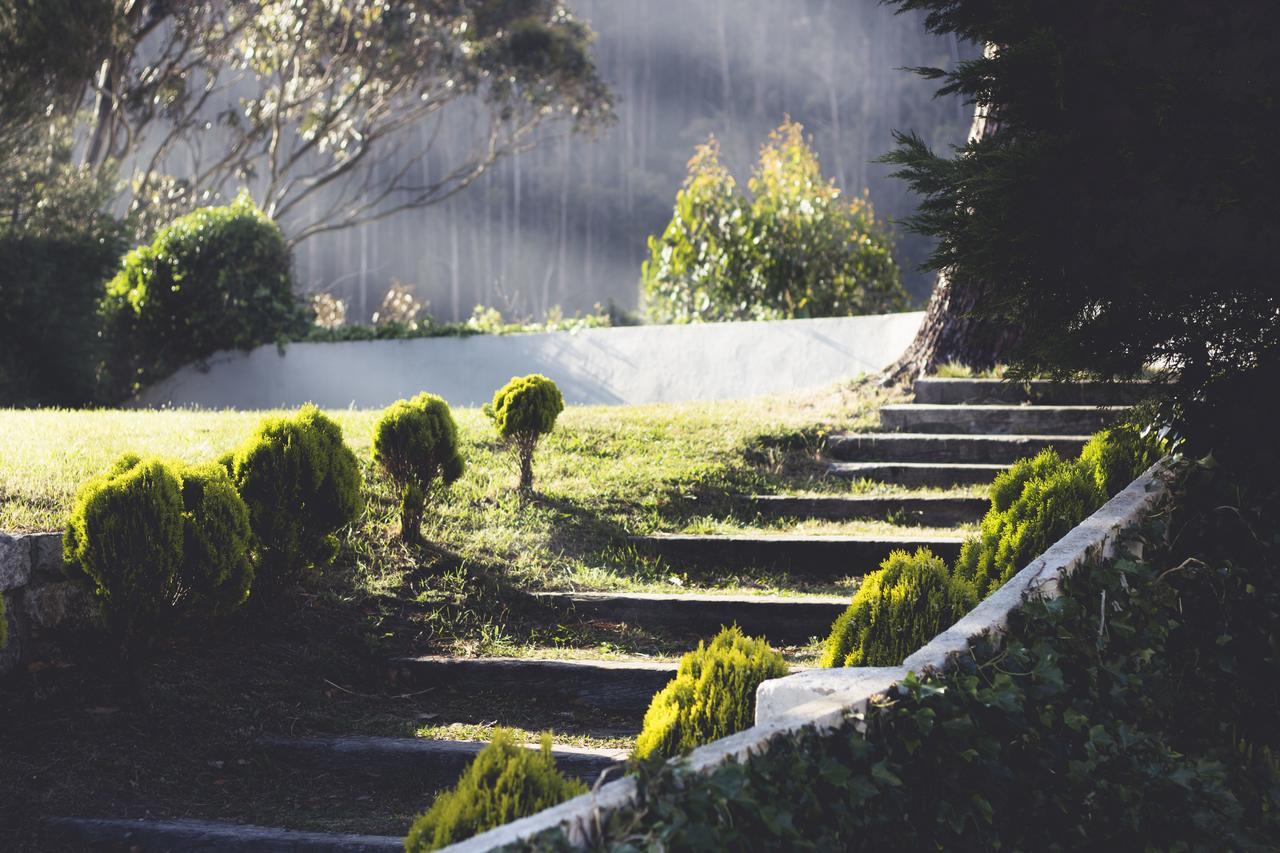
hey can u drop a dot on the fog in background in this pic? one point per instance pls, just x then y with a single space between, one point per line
566 224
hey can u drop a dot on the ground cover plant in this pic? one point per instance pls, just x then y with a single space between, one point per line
505 782
1137 725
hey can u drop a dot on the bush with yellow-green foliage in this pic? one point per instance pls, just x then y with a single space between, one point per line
524 410
896 610
713 694
155 542
506 781
416 443
217 572
1117 456
302 484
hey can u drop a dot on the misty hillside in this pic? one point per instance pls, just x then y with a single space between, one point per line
566 223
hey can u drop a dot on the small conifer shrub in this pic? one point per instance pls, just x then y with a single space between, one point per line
713 694
523 411
124 542
416 443
1117 456
216 570
506 781
897 609
302 484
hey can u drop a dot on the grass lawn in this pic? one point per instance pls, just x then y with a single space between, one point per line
79 741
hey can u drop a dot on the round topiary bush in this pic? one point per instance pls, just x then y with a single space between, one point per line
523 411
301 484
218 278
712 696
216 571
416 443
506 781
124 541
896 610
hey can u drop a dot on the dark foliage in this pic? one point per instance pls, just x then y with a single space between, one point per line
1123 214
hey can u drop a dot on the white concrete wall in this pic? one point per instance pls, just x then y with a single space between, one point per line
640 364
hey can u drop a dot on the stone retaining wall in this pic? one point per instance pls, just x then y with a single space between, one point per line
37 594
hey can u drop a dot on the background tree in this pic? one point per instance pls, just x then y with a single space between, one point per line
305 102
1109 220
796 248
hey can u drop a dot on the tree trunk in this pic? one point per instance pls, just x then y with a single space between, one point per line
950 331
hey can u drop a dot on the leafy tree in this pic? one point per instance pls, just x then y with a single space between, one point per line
796 248
307 101
1121 217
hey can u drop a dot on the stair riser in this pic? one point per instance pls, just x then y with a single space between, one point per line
431 765
147 835
956 391
1025 420
610 690
925 512
983 451
810 558
908 476
781 623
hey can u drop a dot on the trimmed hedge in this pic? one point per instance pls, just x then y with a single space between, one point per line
713 695
506 781
416 443
1117 456
523 411
301 483
218 278
896 610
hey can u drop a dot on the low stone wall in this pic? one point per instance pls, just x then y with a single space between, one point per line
37 595
618 366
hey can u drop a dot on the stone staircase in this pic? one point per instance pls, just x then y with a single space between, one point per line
958 433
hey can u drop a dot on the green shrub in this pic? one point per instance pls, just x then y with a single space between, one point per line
897 609
124 540
416 442
523 411
216 572
505 782
1117 456
301 484
49 341
218 278
1053 499
713 694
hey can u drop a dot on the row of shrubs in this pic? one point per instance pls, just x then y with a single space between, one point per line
1034 503
897 609
160 543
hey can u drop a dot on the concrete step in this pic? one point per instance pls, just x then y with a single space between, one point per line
999 419
922 475
968 449
432 764
821 557
938 511
951 391
613 686
780 619
166 835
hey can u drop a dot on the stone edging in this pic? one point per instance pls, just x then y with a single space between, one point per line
37 594
822 698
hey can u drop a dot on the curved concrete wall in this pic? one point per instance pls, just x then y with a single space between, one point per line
640 364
